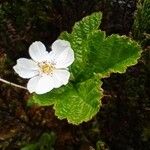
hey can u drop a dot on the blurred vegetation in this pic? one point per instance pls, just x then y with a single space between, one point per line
123 121
141 27
45 142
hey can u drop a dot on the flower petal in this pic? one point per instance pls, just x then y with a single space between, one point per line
59 44
37 51
26 68
27 63
60 77
45 84
32 84
62 54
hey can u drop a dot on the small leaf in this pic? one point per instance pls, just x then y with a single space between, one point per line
80 103
47 141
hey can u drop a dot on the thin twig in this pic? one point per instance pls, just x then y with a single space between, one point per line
12 84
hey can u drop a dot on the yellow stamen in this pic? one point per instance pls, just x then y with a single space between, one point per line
46 68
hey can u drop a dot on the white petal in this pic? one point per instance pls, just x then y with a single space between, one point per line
25 72
62 54
60 77
27 63
45 84
37 51
32 84
58 44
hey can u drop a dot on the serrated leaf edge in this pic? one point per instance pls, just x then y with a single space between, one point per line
124 68
86 119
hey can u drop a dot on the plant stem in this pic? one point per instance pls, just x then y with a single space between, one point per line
12 84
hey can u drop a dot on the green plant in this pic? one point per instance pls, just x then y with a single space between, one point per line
45 142
141 26
96 57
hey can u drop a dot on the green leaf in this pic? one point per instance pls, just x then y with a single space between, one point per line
96 53
112 54
80 103
79 40
47 141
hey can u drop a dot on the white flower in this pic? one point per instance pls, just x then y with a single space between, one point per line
47 70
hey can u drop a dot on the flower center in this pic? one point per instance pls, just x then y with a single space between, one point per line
46 68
